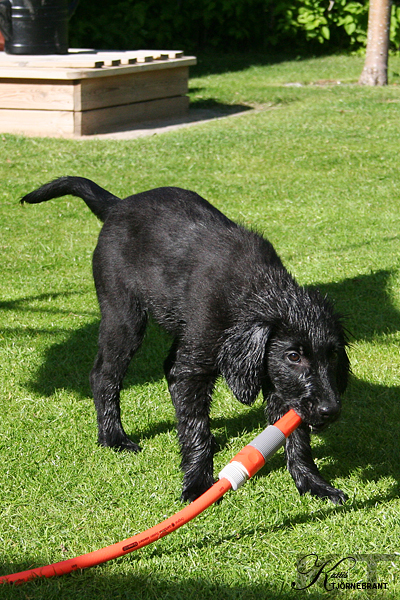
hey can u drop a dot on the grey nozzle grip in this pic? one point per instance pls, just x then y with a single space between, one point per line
269 441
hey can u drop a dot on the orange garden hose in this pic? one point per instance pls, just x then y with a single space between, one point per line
243 466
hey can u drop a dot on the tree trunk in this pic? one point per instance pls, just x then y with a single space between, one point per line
376 61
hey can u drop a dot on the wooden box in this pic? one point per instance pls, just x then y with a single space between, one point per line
89 92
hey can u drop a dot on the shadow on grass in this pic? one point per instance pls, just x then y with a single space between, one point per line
67 364
218 63
23 304
144 584
200 111
212 108
366 304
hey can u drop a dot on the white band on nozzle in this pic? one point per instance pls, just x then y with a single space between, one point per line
267 443
235 473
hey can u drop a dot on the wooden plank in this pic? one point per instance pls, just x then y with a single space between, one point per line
87 59
126 89
105 120
36 94
84 61
37 122
59 123
58 71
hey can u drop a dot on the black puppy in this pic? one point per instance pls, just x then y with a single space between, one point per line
233 310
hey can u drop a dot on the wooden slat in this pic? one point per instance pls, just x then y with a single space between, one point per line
9 72
37 122
65 61
39 94
126 89
105 120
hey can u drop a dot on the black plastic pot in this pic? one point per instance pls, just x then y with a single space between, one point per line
36 26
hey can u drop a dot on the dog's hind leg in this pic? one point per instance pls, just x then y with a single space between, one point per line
191 388
121 333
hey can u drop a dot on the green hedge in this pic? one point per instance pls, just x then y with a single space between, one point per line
225 24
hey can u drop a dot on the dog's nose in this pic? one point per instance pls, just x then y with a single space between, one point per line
327 411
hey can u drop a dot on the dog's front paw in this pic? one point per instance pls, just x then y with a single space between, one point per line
128 445
119 443
336 496
194 491
324 490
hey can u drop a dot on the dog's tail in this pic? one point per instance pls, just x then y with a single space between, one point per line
98 199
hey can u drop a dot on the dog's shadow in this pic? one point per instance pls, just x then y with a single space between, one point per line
365 439
366 303
67 365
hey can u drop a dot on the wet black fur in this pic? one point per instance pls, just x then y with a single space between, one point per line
233 310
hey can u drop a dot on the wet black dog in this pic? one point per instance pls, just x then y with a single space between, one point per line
232 309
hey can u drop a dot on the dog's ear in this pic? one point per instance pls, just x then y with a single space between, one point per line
342 370
242 358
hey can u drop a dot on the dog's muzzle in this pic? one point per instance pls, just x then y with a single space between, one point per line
328 415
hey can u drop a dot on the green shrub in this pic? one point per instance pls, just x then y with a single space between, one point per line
226 25
338 22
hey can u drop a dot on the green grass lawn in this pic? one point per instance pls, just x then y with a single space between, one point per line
315 166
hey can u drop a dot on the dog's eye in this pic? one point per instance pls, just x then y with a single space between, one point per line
294 357
333 356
